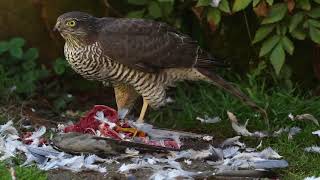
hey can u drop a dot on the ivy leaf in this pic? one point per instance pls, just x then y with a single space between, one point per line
16 52
59 66
270 2
314 34
154 9
314 13
304 4
239 5
277 58
16 43
298 34
203 3
4 46
262 32
314 23
224 6
287 44
214 16
276 13
31 54
136 14
268 45
138 2
255 3
295 20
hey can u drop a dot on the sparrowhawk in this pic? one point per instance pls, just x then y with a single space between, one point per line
138 56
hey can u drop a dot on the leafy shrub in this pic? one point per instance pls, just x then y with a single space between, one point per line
281 21
19 72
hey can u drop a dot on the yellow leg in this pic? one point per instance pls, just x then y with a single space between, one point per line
143 111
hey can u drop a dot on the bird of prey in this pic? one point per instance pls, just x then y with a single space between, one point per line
138 56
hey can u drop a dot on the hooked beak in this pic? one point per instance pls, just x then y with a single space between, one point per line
56 27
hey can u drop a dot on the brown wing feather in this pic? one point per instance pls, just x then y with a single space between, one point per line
149 45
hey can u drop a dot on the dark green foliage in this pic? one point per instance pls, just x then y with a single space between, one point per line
282 22
19 71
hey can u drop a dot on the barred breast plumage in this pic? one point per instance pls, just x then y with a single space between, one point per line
89 62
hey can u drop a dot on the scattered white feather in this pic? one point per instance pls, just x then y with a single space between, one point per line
215 3
8 129
230 151
187 161
316 133
100 117
309 117
209 120
313 149
35 137
280 131
207 138
293 131
131 151
172 174
291 116
312 178
269 153
240 129
259 145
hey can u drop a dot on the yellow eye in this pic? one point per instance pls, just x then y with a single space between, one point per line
71 23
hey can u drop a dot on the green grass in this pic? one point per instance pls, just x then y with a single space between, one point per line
201 99
22 173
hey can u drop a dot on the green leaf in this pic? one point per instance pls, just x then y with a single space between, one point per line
314 34
268 45
16 42
283 29
255 3
298 34
314 13
16 52
214 15
270 2
295 21
262 32
304 4
167 7
277 13
154 9
138 2
203 3
31 54
287 44
317 1
224 6
29 65
277 58
136 14
59 66
4 46
239 5
314 23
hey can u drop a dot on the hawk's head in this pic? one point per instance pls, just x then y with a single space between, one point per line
78 26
